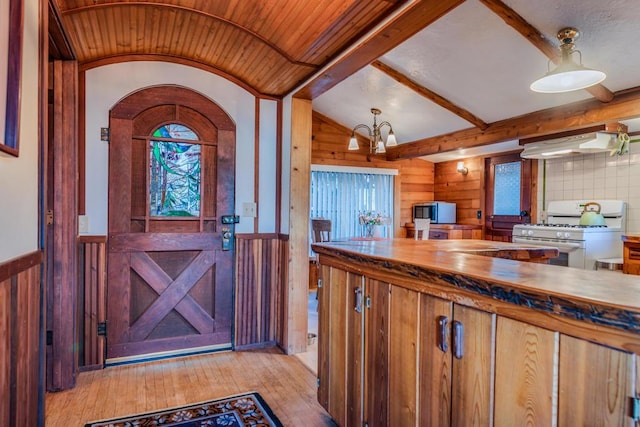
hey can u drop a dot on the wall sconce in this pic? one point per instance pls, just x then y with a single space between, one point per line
461 168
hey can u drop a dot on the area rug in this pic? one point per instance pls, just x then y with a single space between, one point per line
248 409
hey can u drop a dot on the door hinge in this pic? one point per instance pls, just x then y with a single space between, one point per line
319 283
318 382
367 302
105 134
635 408
49 218
102 329
49 338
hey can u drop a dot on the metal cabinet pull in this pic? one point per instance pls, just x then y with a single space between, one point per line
358 304
458 339
443 336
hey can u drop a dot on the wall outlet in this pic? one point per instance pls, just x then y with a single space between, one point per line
249 209
83 224
479 214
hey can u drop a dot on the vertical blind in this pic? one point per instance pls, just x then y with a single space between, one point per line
342 196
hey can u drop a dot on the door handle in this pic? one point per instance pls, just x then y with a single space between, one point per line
458 339
443 336
358 304
227 236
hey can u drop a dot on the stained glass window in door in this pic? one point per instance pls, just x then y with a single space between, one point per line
174 175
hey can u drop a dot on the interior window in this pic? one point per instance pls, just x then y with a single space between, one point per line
174 172
506 197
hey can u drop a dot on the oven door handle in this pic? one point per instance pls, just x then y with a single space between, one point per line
559 245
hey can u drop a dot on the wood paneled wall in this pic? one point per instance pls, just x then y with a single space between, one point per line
415 176
20 336
465 190
92 300
261 275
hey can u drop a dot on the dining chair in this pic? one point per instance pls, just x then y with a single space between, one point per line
321 230
421 228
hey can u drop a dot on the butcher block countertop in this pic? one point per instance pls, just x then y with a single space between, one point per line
598 298
631 238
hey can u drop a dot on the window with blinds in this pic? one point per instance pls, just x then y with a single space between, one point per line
343 196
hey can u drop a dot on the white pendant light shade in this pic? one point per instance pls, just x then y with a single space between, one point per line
391 139
380 147
568 75
567 78
353 143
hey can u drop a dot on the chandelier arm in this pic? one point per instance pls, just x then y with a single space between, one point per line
361 126
385 123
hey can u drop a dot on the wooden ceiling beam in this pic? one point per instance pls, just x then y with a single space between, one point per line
625 105
536 38
429 94
407 23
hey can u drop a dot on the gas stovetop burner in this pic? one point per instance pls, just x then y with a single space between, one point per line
568 225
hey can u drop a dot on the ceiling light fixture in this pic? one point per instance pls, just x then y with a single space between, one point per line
568 75
375 136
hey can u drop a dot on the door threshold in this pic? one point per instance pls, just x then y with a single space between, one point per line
150 357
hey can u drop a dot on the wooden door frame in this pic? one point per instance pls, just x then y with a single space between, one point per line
61 271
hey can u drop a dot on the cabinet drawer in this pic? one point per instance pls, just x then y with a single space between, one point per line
438 235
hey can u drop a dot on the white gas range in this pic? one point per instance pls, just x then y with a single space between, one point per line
579 246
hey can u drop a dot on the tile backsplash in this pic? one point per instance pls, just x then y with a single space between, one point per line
596 176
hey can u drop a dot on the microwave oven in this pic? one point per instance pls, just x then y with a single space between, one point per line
437 212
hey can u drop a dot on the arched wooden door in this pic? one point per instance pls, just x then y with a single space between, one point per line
171 181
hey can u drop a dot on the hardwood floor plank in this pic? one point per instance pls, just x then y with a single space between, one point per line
285 383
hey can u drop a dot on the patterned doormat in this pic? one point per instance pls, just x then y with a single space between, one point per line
247 409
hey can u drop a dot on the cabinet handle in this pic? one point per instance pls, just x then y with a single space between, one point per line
358 304
443 336
458 339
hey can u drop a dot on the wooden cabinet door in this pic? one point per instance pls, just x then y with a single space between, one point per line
376 367
595 384
524 380
340 345
435 362
472 367
404 338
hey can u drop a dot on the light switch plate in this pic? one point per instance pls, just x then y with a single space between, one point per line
249 209
83 224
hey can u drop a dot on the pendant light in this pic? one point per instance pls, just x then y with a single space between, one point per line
375 135
568 75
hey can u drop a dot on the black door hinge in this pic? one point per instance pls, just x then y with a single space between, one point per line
102 329
49 338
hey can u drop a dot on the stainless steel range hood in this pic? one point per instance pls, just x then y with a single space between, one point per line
593 142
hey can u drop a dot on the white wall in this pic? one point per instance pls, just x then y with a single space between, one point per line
598 176
19 176
267 172
106 85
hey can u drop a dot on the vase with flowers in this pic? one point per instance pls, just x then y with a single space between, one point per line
370 219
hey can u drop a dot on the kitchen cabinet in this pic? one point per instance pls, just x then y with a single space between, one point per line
392 352
631 255
448 231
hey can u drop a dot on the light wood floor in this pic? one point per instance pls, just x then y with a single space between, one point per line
288 387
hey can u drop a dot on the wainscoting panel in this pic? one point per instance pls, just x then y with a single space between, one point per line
20 302
92 303
261 272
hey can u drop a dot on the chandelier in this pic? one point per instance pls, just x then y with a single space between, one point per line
568 75
375 136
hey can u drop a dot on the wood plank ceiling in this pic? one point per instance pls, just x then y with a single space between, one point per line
251 42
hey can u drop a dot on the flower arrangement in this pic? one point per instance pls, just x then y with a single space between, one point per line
371 218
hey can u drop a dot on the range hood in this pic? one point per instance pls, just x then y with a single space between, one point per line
593 142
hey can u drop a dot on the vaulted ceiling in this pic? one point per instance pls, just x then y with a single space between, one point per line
450 75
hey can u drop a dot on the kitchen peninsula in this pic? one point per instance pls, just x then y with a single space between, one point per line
431 332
